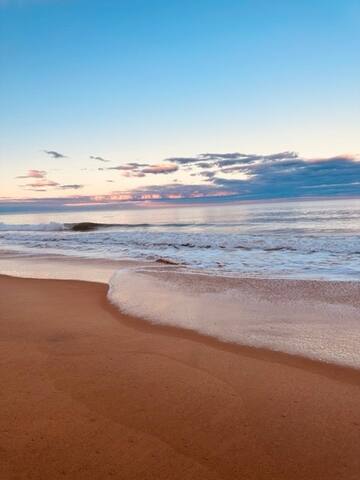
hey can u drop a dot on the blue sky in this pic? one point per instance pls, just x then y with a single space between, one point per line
142 81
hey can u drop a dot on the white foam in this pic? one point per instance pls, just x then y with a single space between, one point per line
223 308
57 267
321 330
28 227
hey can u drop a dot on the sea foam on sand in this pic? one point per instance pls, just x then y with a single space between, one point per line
311 319
315 319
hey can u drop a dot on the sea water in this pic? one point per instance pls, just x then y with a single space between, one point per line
317 240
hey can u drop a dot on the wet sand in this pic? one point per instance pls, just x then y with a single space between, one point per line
89 393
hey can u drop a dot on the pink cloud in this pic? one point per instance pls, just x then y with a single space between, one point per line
34 174
42 182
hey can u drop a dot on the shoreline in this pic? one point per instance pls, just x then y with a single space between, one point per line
88 392
340 371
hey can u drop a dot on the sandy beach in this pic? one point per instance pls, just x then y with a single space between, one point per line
89 393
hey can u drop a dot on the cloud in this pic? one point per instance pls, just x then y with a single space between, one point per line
33 174
138 165
134 173
204 164
277 178
54 154
172 191
42 182
36 189
248 157
278 175
227 176
205 160
207 174
160 168
184 160
73 186
100 159
135 169
120 167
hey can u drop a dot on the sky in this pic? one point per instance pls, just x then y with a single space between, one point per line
116 101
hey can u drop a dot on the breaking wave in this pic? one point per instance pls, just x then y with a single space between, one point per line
31 227
85 226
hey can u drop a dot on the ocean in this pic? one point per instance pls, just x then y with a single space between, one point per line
303 240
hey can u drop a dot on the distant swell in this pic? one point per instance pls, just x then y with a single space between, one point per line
85 226
88 226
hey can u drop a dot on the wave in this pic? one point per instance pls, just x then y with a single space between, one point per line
137 239
88 226
84 227
273 314
31 227
208 243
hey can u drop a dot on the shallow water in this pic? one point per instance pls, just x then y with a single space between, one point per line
318 320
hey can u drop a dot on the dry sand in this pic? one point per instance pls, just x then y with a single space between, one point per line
88 393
